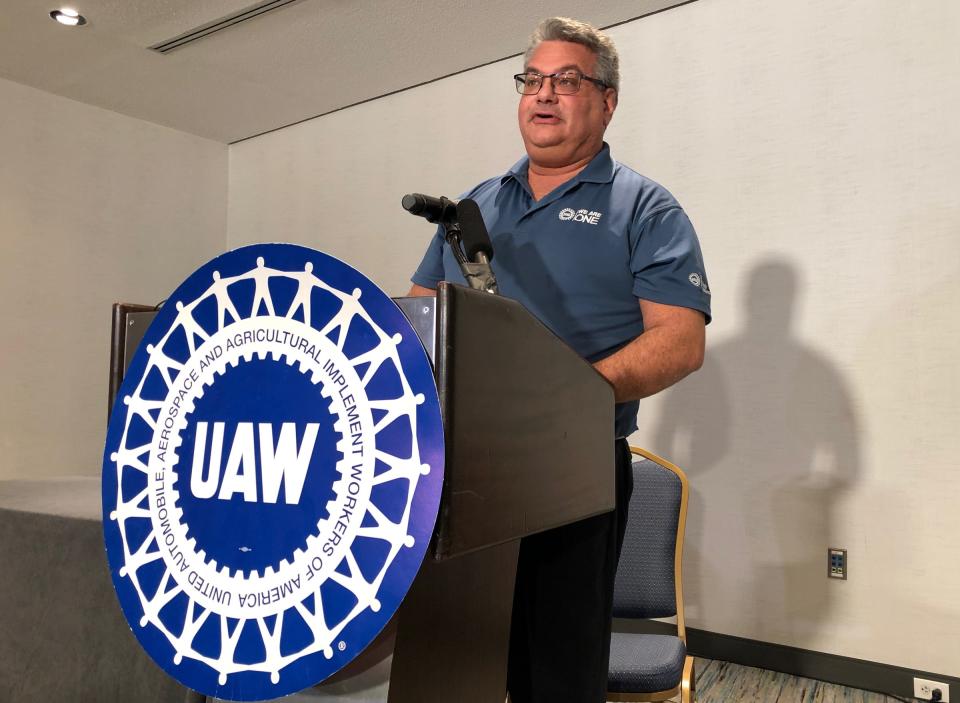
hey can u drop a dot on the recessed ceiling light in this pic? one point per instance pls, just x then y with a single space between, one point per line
68 16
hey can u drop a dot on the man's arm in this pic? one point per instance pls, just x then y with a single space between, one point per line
670 347
418 291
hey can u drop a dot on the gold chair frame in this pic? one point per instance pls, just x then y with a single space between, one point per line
687 689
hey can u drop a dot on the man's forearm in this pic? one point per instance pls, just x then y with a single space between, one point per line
655 360
418 290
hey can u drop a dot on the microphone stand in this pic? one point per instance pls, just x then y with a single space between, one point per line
478 273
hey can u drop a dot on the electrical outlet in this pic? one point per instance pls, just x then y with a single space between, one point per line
923 689
837 563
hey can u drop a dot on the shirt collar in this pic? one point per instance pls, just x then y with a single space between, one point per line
599 170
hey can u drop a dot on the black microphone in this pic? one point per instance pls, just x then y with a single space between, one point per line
476 239
465 233
435 210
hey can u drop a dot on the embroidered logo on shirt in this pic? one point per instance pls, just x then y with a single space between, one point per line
698 280
588 216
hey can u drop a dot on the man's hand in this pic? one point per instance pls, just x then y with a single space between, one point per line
419 291
670 347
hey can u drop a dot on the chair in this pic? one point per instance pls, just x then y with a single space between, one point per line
649 667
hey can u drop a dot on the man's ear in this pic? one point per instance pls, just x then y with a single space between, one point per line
609 105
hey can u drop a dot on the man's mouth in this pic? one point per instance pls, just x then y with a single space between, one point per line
545 118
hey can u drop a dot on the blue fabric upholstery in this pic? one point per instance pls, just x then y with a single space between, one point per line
645 663
645 587
645 577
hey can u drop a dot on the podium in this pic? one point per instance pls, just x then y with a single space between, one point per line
528 427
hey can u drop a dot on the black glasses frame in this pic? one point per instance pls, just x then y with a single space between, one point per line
520 81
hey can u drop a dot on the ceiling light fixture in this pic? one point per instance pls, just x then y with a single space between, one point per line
68 17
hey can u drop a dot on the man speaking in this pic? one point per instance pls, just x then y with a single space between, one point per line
609 261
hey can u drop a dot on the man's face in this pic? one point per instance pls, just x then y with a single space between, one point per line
559 130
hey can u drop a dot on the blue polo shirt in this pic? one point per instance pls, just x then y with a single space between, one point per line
580 258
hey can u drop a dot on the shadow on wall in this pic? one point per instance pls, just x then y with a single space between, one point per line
766 433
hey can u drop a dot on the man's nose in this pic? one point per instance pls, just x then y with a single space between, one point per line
547 93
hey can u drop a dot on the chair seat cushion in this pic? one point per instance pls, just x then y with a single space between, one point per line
645 663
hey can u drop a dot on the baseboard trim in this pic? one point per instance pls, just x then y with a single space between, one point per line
846 671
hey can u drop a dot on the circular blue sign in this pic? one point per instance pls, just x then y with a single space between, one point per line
272 472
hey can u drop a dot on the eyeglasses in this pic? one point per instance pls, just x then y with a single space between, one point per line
564 82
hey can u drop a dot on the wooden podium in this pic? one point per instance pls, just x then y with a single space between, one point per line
528 427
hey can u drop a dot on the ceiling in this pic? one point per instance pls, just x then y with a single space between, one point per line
301 59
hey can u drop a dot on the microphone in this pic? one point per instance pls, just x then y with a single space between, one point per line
476 239
434 210
465 233
478 250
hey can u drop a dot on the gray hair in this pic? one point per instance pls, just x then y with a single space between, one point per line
566 29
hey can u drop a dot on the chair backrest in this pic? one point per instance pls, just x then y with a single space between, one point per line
648 581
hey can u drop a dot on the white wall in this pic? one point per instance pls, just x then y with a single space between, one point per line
335 183
95 208
816 147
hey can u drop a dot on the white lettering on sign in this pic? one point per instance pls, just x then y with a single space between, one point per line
281 462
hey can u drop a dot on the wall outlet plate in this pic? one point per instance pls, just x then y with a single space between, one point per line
837 563
923 689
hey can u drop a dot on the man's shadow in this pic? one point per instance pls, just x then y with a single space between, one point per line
766 433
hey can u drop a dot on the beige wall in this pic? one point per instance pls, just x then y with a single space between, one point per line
816 148
336 183
94 208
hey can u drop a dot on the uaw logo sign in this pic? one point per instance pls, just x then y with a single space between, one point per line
272 472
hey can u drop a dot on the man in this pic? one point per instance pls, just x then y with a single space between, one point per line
609 261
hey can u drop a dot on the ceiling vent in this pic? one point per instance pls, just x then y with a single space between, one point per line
205 30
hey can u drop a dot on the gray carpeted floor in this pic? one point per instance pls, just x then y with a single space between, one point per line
721 682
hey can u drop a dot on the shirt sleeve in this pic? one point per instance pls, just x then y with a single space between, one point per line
430 271
667 263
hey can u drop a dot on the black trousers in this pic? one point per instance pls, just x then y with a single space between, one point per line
562 605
